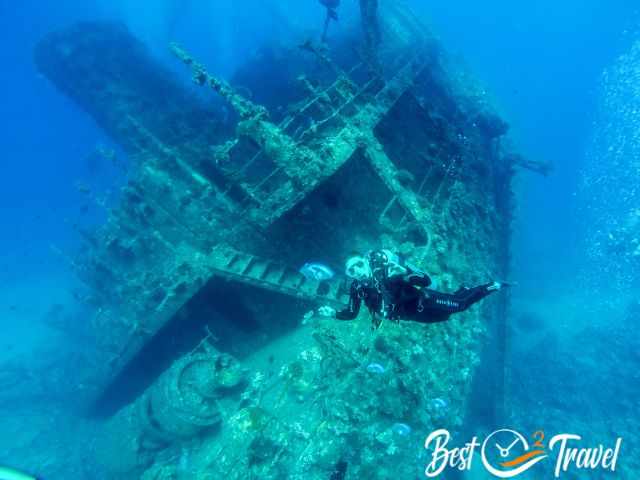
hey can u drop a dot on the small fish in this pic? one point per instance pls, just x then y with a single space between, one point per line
11 474
375 368
401 429
439 404
316 271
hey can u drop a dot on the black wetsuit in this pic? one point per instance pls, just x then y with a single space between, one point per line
399 298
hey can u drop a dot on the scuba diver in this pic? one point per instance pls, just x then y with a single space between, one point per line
332 14
331 5
394 291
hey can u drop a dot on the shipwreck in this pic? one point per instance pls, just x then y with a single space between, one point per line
205 359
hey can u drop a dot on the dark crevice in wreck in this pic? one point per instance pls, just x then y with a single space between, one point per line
237 320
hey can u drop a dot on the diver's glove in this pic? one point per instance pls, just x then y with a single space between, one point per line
327 311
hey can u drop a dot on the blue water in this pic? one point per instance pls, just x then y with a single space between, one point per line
542 61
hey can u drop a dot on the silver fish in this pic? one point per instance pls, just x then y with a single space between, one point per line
401 429
439 404
316 271
375 368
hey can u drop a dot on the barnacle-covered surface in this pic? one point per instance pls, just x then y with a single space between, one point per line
372 147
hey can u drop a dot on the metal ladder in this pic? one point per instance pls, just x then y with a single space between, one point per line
245 268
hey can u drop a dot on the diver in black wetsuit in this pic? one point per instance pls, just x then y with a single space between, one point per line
332 6
393 291
332 14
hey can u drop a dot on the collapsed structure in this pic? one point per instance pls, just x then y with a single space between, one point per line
202 364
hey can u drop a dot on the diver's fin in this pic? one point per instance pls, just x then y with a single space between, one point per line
499 285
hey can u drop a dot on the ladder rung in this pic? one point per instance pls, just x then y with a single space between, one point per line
248 266
257 269
240 264
293 279
266 271
276 275
234 258
282 276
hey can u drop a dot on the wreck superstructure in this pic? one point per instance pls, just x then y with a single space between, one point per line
200 258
